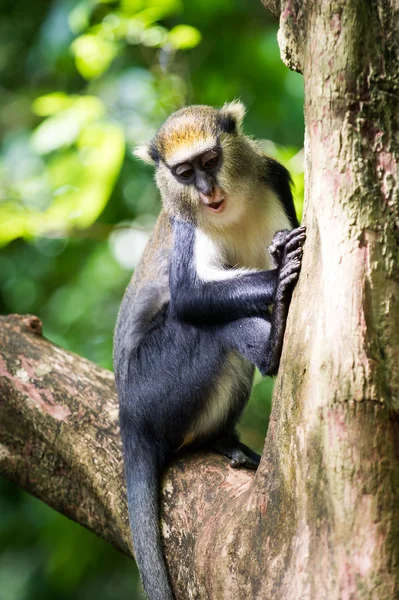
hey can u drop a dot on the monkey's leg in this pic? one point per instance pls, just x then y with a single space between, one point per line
248 336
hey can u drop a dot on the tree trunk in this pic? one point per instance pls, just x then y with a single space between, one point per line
335 418
320 519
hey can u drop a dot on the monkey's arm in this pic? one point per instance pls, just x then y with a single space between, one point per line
216 301
286 250
260 339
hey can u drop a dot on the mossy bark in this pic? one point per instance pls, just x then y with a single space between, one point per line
320 519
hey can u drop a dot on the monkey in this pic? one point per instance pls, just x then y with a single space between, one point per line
207 303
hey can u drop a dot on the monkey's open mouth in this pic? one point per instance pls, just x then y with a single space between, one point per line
217 207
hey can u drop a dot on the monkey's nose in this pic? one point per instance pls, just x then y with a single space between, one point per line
215 195
205 184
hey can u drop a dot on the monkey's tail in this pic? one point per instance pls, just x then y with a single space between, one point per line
143 466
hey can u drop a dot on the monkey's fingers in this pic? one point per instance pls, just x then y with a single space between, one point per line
291 266
295 241
248 452
280 237
294 233
284 242
294 254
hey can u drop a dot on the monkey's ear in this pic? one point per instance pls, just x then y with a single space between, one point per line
233 114
145 153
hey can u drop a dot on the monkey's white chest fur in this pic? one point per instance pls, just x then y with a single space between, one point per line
241 249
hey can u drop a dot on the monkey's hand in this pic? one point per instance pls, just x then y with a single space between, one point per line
286 250
281 243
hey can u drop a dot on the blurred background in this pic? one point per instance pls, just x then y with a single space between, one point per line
81 82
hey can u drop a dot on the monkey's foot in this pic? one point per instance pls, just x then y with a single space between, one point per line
240 459
240 455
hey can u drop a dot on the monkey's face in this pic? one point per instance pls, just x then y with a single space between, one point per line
192 178
202 187
200 172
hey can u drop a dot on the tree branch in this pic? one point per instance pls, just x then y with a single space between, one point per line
59 440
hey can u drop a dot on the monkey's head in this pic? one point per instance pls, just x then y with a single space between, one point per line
203 164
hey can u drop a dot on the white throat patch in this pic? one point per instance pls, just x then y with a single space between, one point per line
242 249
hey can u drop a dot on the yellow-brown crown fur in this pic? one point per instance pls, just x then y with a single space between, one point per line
196 127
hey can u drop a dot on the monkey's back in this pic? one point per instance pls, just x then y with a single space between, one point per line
154 264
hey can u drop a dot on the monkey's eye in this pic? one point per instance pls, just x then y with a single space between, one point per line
210 160
185 171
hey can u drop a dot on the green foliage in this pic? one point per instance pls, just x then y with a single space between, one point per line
82 83
93 54
80 156
44 556
183 37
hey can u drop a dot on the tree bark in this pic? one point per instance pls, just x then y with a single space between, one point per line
335 454
320 519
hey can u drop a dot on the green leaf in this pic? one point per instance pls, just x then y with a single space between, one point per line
183 37
93 55
79 17
62 129
154 36
150 11
83 180
50 104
